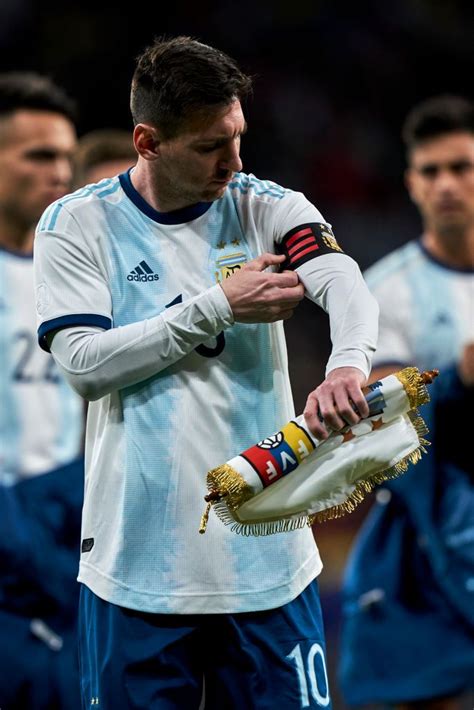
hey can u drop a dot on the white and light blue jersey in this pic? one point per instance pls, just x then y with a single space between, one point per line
106 258
41 417
426 308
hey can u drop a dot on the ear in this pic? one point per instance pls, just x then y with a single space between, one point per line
146 141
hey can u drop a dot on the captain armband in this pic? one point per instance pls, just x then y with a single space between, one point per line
306 242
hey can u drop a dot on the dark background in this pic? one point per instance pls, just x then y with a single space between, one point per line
333 83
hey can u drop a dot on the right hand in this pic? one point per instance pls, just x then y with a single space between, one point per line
259 296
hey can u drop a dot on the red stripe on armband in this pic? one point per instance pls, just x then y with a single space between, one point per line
298 235
301 244
298 256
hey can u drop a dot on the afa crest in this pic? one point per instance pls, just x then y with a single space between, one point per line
229 264
330 240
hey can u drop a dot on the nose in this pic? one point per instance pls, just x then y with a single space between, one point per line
231 158
62 171
446 180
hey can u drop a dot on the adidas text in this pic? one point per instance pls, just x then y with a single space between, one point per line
145 277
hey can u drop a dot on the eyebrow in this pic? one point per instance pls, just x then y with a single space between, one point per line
220 138
46 152
433 166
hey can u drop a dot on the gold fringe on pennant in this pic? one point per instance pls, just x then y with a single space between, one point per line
230 491
414 385
270 527
227 492
367 486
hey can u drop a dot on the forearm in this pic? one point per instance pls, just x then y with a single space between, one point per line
97 362
336 284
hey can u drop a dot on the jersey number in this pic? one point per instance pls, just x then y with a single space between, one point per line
310 674
23 370
202 349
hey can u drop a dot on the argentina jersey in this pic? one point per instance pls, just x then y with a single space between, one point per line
426 315
150 445
40 417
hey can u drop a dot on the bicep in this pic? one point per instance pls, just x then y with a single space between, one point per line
71 285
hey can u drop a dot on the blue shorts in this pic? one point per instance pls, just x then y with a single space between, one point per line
266 659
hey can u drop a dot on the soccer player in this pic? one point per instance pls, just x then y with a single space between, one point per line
155 297
102 153
408 636
41 417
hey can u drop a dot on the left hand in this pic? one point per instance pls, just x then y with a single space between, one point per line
334 400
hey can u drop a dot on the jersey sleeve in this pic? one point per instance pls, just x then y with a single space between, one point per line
289 224
71 282
297 229
277 215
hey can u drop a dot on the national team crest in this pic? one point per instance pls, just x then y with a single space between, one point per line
330 241
229 264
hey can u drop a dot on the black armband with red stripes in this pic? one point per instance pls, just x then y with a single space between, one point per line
306 242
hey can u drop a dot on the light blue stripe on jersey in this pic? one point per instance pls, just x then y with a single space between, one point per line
252 359
150 411
9 419
253 412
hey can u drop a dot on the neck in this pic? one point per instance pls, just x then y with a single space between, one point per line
160 196
16 237
453 250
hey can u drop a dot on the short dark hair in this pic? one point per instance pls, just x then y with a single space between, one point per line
28 90
437 116
178 75
99 146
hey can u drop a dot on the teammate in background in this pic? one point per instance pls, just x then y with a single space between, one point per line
408 635
155 298
41 420
102 153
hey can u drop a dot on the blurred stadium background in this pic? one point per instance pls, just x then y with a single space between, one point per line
334 81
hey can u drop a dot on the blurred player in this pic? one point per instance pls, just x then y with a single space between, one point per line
408 637
103 153
155 298
41 420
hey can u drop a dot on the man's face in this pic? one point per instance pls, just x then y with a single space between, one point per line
36 150
440 181
198 164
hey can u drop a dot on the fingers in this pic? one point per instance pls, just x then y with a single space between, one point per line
315 424
289 294
259 296
337 403
263 261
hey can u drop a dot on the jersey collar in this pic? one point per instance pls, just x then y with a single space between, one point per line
448 267
186 214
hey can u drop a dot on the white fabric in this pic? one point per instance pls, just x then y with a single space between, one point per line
106 261
328 475
97 362
426 308
41 417
353 312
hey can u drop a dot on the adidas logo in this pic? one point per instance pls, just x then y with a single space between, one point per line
142 272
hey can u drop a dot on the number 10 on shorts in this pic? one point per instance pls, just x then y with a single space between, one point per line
307 679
